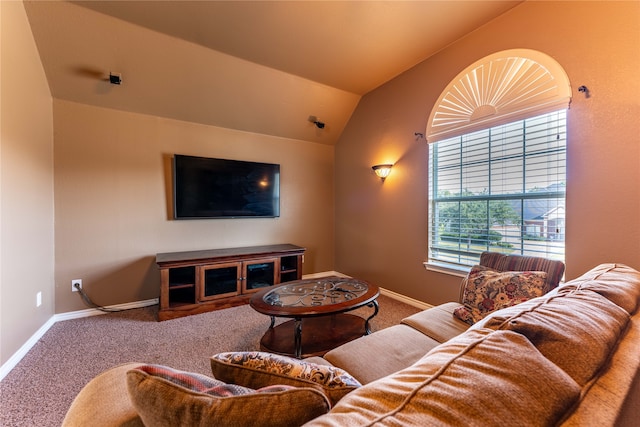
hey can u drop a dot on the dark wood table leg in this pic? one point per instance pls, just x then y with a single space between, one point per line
298 337
367 329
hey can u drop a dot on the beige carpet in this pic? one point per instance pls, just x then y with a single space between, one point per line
40 389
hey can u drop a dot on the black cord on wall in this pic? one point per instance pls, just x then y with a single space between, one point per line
91 304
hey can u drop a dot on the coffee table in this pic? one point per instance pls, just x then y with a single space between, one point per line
318 308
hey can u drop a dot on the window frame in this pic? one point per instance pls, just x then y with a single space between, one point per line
543 141
501 88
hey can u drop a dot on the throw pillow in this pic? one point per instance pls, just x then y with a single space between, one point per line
257 369
486 290
164 396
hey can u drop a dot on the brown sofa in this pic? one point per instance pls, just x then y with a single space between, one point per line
418 334
569 357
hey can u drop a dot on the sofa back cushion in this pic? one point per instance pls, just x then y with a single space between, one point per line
482 377
502 262
577 331
618 283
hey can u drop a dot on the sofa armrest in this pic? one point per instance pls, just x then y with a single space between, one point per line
104 402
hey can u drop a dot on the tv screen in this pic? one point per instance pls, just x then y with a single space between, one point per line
220 188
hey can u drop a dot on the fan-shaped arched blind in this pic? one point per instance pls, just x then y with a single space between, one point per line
500 88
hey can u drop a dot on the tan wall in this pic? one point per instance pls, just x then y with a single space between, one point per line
381 230
113 200
26 185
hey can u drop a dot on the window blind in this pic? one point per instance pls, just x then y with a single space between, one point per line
503 87
500 189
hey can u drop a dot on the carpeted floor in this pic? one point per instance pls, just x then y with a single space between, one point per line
39 390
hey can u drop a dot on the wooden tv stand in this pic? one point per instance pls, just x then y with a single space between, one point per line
196 282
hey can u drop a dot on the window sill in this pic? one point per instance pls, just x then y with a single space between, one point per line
460 271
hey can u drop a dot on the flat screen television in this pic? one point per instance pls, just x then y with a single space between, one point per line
220 188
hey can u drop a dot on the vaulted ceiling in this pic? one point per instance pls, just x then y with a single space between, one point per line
255 66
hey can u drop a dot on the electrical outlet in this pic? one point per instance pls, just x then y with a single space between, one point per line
38 299
75 282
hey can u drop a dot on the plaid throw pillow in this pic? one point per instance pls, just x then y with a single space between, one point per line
204 384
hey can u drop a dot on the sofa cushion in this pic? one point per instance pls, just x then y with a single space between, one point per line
382 353
166 397
486 290
460 383
614 399
438 322
577 331
618 283
258 369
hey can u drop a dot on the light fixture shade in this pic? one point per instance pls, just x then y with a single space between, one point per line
382 171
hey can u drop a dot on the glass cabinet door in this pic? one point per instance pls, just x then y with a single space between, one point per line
220 280
259 274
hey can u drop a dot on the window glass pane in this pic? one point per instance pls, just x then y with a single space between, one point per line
506 151
475 162
501 189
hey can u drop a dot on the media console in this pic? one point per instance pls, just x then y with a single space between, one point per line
200 281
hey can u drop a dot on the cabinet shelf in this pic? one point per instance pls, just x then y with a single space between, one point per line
173 286
200 281
261 285
178 304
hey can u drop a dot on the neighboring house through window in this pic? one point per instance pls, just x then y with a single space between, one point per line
497 161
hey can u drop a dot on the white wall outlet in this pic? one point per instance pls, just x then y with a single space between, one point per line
75 282
38 299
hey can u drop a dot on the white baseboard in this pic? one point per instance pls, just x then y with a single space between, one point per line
18 355
323 274
95 312
405 299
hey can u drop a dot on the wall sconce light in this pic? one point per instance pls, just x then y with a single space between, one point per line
382 171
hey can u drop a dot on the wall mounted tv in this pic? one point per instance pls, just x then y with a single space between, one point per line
219 188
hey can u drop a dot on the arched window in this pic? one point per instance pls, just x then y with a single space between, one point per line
497 160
